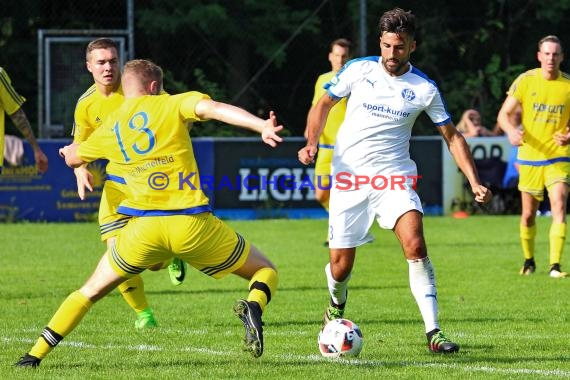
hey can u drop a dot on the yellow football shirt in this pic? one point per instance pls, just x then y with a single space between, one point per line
10 102
546 110
335 116
92 109
148 140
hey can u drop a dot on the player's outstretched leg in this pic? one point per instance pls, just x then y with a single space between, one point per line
72 311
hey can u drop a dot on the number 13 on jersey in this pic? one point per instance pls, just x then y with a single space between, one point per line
138 122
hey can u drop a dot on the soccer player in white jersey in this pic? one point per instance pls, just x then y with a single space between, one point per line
373 175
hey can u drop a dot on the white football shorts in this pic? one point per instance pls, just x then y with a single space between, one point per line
352 212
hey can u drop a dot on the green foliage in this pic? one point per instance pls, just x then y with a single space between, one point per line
270 52
5 30
508 326
483 89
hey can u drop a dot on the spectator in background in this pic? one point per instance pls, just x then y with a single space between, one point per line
470 125
11 104
544 148
338 55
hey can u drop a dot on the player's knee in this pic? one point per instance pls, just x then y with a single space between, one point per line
256 260
528 218
415 249
340 268
92 294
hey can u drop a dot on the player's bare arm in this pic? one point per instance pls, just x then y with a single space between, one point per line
508 108
315 125
306 131
462 155
69 153
21 122
227 113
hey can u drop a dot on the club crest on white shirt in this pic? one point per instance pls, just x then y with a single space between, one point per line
408 94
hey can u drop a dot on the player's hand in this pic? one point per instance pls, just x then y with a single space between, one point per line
307 154
41 161
516 136
269 133
84 181
63 151
562 138
482 194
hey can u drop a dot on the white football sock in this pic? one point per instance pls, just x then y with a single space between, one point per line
337 289
422 284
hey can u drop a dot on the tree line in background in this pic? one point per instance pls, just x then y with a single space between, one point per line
267 54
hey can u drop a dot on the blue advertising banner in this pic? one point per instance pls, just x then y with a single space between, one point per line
27 195
253 180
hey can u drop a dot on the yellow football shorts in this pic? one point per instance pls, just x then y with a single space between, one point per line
111 222
202 240
323 168
533 179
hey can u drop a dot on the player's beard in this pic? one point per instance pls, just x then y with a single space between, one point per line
397 69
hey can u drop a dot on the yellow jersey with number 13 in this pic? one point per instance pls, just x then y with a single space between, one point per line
148 141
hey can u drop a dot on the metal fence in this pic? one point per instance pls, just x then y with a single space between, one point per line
52 35
62 76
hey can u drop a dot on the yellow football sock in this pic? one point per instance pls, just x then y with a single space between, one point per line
557 237
263 286
132 291
527 235
65 319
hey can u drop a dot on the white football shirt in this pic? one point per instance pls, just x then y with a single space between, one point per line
375 135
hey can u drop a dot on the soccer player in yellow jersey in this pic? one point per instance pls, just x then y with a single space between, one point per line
338 56
93 107
148 139
544 150
11 104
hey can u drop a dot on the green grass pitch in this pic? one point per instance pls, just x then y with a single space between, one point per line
508 326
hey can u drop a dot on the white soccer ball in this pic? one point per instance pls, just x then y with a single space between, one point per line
340 337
